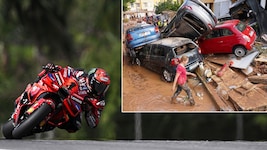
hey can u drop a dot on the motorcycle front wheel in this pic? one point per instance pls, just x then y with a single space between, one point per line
7 129
25 128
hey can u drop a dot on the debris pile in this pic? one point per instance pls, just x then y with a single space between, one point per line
236 84
261 64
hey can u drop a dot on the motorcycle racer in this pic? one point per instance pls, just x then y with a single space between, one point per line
57 98
92 88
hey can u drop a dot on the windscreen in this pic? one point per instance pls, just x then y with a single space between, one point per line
241 26
184 48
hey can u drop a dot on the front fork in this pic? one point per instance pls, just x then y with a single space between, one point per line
38 103
18 117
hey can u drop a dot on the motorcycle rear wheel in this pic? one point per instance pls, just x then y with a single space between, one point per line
34 119
7 129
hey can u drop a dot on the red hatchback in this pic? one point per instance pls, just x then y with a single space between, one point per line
231 36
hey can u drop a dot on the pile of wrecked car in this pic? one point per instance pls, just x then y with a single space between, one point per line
224 54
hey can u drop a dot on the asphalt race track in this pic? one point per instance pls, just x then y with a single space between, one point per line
129 145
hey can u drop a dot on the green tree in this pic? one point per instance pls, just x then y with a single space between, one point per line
126 3
43 23
166 5
82 34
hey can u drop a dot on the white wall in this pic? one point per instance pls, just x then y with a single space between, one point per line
221 7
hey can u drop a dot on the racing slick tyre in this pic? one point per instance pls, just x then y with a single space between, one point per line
25 127
239 51
166 75
7 129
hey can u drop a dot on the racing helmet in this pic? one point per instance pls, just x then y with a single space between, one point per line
98 81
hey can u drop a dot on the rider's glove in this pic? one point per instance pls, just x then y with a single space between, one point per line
99 104
93 108
92 103
50 67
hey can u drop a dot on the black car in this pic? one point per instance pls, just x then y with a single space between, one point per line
158 56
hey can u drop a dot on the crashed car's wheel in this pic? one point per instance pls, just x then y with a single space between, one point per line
166 75
239 51
137 61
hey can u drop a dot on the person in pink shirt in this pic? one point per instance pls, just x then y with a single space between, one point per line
180 81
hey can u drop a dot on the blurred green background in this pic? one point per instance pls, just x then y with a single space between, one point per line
81 34
86 34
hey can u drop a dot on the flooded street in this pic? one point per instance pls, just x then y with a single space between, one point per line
144 91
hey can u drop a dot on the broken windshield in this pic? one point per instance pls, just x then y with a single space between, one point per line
184 48
241 26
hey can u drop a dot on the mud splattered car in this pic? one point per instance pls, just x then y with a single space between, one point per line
141 34
232 36
157 56
192 20
138 36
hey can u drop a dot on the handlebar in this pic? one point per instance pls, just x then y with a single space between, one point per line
45 70
55 68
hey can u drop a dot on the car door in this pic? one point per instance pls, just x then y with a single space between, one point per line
168 58
226 40
144 55
157 57
210 43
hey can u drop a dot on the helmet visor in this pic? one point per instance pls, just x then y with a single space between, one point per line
100 88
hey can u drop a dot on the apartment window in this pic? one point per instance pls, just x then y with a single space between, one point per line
145 4
137 5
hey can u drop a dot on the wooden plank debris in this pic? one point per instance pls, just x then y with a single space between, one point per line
233 91
244 95
261 58
261 64
222 105
258 79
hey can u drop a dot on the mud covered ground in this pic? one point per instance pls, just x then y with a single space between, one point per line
144 91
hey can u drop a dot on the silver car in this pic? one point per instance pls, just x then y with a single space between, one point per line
192 20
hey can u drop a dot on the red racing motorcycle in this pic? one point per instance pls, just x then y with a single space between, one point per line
47 103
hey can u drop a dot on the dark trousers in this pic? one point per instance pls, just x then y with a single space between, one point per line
179 90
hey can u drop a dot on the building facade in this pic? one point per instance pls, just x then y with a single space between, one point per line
145 5
141 7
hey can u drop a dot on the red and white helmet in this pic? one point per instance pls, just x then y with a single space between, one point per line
99 81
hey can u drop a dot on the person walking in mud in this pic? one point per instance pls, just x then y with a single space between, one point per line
180 81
